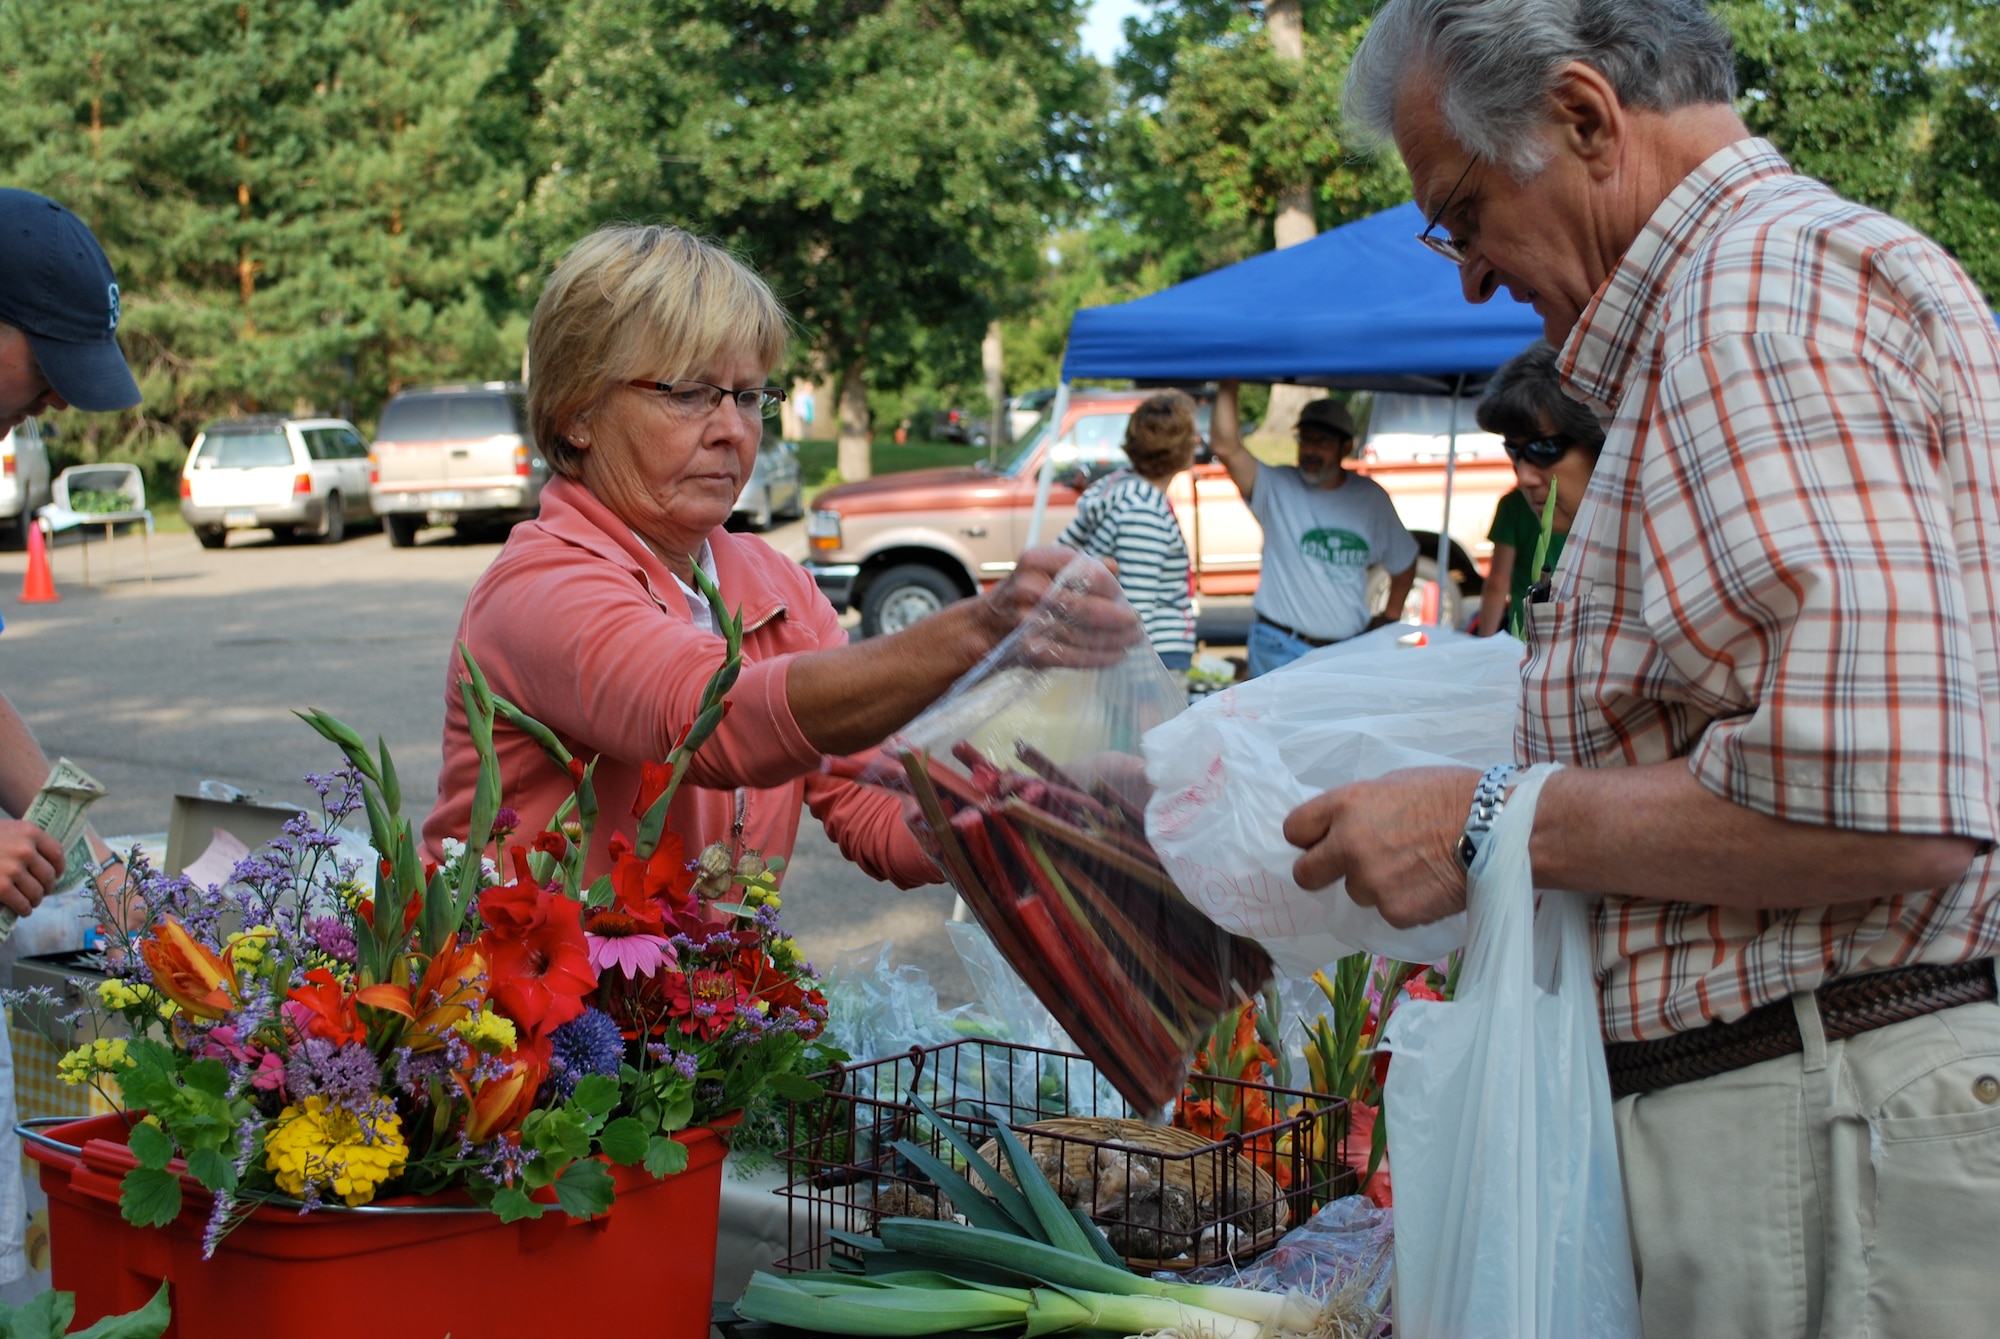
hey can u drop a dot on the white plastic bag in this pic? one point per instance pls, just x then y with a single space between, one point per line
1227 771
1510 1215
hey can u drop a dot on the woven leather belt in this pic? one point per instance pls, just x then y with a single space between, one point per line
1314 642
1847 1008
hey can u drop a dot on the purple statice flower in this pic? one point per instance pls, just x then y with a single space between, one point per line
218 1223
335 938
347 1076
684 1063
588 1044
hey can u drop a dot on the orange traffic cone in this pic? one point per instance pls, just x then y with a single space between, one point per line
40 587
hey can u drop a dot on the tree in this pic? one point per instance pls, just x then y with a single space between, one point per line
884 165
1958 179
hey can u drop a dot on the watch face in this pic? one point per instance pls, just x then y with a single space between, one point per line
1466 851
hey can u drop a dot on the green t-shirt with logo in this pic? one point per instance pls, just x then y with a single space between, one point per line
1318 546
1515 523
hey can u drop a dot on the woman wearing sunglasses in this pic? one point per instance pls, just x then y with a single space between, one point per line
1553 442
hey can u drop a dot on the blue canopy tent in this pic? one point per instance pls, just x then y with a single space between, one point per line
1362 307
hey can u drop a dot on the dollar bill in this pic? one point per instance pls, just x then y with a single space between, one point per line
59 809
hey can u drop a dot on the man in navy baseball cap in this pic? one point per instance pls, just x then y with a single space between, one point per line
58 314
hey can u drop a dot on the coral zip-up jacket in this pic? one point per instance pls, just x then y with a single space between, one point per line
579 625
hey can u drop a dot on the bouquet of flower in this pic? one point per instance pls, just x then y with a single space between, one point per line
492 1028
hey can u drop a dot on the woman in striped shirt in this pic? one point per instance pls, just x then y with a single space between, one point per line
1125 520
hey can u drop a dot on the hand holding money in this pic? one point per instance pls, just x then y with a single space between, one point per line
55 846
30 862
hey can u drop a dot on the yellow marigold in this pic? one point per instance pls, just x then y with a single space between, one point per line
487 1031
116 994
103 1056
313 1146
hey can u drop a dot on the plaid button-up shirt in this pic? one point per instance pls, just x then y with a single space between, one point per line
1783 572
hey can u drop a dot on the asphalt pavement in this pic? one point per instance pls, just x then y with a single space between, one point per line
153 689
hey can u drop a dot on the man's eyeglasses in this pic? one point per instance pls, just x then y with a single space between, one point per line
1542 452
1450 248
696 399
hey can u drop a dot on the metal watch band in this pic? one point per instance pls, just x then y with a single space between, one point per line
1489 797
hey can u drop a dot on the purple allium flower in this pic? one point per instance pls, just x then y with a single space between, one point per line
587 1044
334 938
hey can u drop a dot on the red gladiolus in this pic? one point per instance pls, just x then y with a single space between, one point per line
653 779
321 1008
663 878
537 957
552 843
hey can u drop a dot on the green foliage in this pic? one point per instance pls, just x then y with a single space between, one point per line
195 1117
48 1314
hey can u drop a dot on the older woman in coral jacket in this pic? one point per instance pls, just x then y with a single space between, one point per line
651 351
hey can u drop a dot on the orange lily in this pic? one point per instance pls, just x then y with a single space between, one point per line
501 1103
188 973
453 986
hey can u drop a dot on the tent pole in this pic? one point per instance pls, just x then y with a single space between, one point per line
1444 523
1057 412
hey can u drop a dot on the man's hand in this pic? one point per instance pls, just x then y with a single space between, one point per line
30 864
1392 839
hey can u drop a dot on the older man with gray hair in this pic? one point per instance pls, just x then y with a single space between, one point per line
1770 660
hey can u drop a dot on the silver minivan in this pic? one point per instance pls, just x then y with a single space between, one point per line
24 481
299 478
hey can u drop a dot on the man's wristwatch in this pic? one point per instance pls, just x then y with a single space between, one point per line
1488 799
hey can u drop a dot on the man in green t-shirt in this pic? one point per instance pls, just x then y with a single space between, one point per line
1553 442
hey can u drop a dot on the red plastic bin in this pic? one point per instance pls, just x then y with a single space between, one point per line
417 1268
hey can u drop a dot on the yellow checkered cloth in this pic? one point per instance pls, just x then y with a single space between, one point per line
39 1091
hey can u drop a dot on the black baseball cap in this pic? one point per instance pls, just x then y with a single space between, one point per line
58 289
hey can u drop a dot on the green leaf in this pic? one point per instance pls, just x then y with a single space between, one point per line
623 1141
979 1210
148 1322
1055 1216
666 1157
207 1076
512 1204
150 1145
149 1197
213 1169
796 1087
585 1189
601 893
1004 1192
46 1315
596 1093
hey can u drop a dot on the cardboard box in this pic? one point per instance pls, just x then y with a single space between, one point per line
195 819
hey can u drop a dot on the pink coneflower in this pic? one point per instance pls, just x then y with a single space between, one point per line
618 939
634 955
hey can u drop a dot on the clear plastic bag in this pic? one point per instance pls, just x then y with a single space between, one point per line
1343 1255
1227 772
1027 779
1508 1195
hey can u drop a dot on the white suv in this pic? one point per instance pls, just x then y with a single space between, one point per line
24 481
299 478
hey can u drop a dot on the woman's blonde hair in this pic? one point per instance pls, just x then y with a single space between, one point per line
1161 436
632 302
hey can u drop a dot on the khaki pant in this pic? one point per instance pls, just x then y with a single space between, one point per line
1853 1190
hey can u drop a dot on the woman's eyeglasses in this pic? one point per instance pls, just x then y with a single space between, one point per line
1542 452
696 399
1450 248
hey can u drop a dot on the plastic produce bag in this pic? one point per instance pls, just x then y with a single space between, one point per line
1029 784
1227 772
1510 1214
